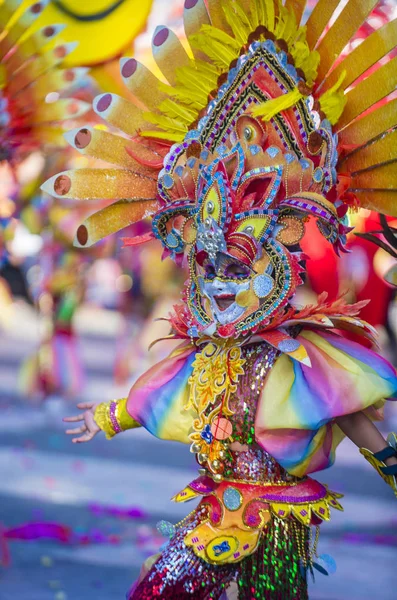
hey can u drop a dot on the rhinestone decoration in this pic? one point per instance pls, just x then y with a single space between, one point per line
166 528
272 151
318 175
168 181
206 434
255 149
263 285
304 163
210 238
172 240
288 345
232 498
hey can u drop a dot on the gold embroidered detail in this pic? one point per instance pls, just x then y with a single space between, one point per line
216 371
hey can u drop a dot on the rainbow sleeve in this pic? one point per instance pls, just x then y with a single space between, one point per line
158 398
298 405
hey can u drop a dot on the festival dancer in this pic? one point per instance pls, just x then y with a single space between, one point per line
256 131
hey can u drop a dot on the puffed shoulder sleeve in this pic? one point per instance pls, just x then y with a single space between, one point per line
295 420
159 398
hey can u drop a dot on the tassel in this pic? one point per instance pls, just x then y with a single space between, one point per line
267 110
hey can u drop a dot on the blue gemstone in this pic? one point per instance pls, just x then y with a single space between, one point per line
269 45
272 151
171 240
204 154
289 158
288 345
193 331
318 175
304 163
232 498
221 548
206 434
191 162
263 285
255 149
168 181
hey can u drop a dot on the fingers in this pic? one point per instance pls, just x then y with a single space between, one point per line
85 405
73 419
81 429
84 438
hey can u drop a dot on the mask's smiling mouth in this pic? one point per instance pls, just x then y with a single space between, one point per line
225 300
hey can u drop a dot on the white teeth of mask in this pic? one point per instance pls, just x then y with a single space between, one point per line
218 287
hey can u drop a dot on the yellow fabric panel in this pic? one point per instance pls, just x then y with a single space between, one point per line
369 91
336 38
178 425
278 385
372 49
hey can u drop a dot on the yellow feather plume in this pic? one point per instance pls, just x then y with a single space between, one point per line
267 110
333 101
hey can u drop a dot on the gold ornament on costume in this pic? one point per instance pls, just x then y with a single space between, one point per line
216 370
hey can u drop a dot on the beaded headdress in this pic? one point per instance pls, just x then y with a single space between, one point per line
257 127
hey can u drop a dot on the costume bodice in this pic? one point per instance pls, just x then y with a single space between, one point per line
252 464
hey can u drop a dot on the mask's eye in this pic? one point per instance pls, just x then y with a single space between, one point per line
237 272
210 272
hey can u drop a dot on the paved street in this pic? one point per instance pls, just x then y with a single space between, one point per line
91 488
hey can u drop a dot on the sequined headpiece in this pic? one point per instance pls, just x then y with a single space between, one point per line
255 132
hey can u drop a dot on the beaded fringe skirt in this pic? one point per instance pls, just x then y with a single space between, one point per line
272 573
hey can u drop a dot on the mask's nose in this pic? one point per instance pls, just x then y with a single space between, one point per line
218 284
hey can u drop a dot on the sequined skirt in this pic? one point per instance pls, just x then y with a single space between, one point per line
275 571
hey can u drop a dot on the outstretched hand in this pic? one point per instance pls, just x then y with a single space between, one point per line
89 429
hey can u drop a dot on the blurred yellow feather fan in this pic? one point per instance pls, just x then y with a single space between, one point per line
104 28
32 74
